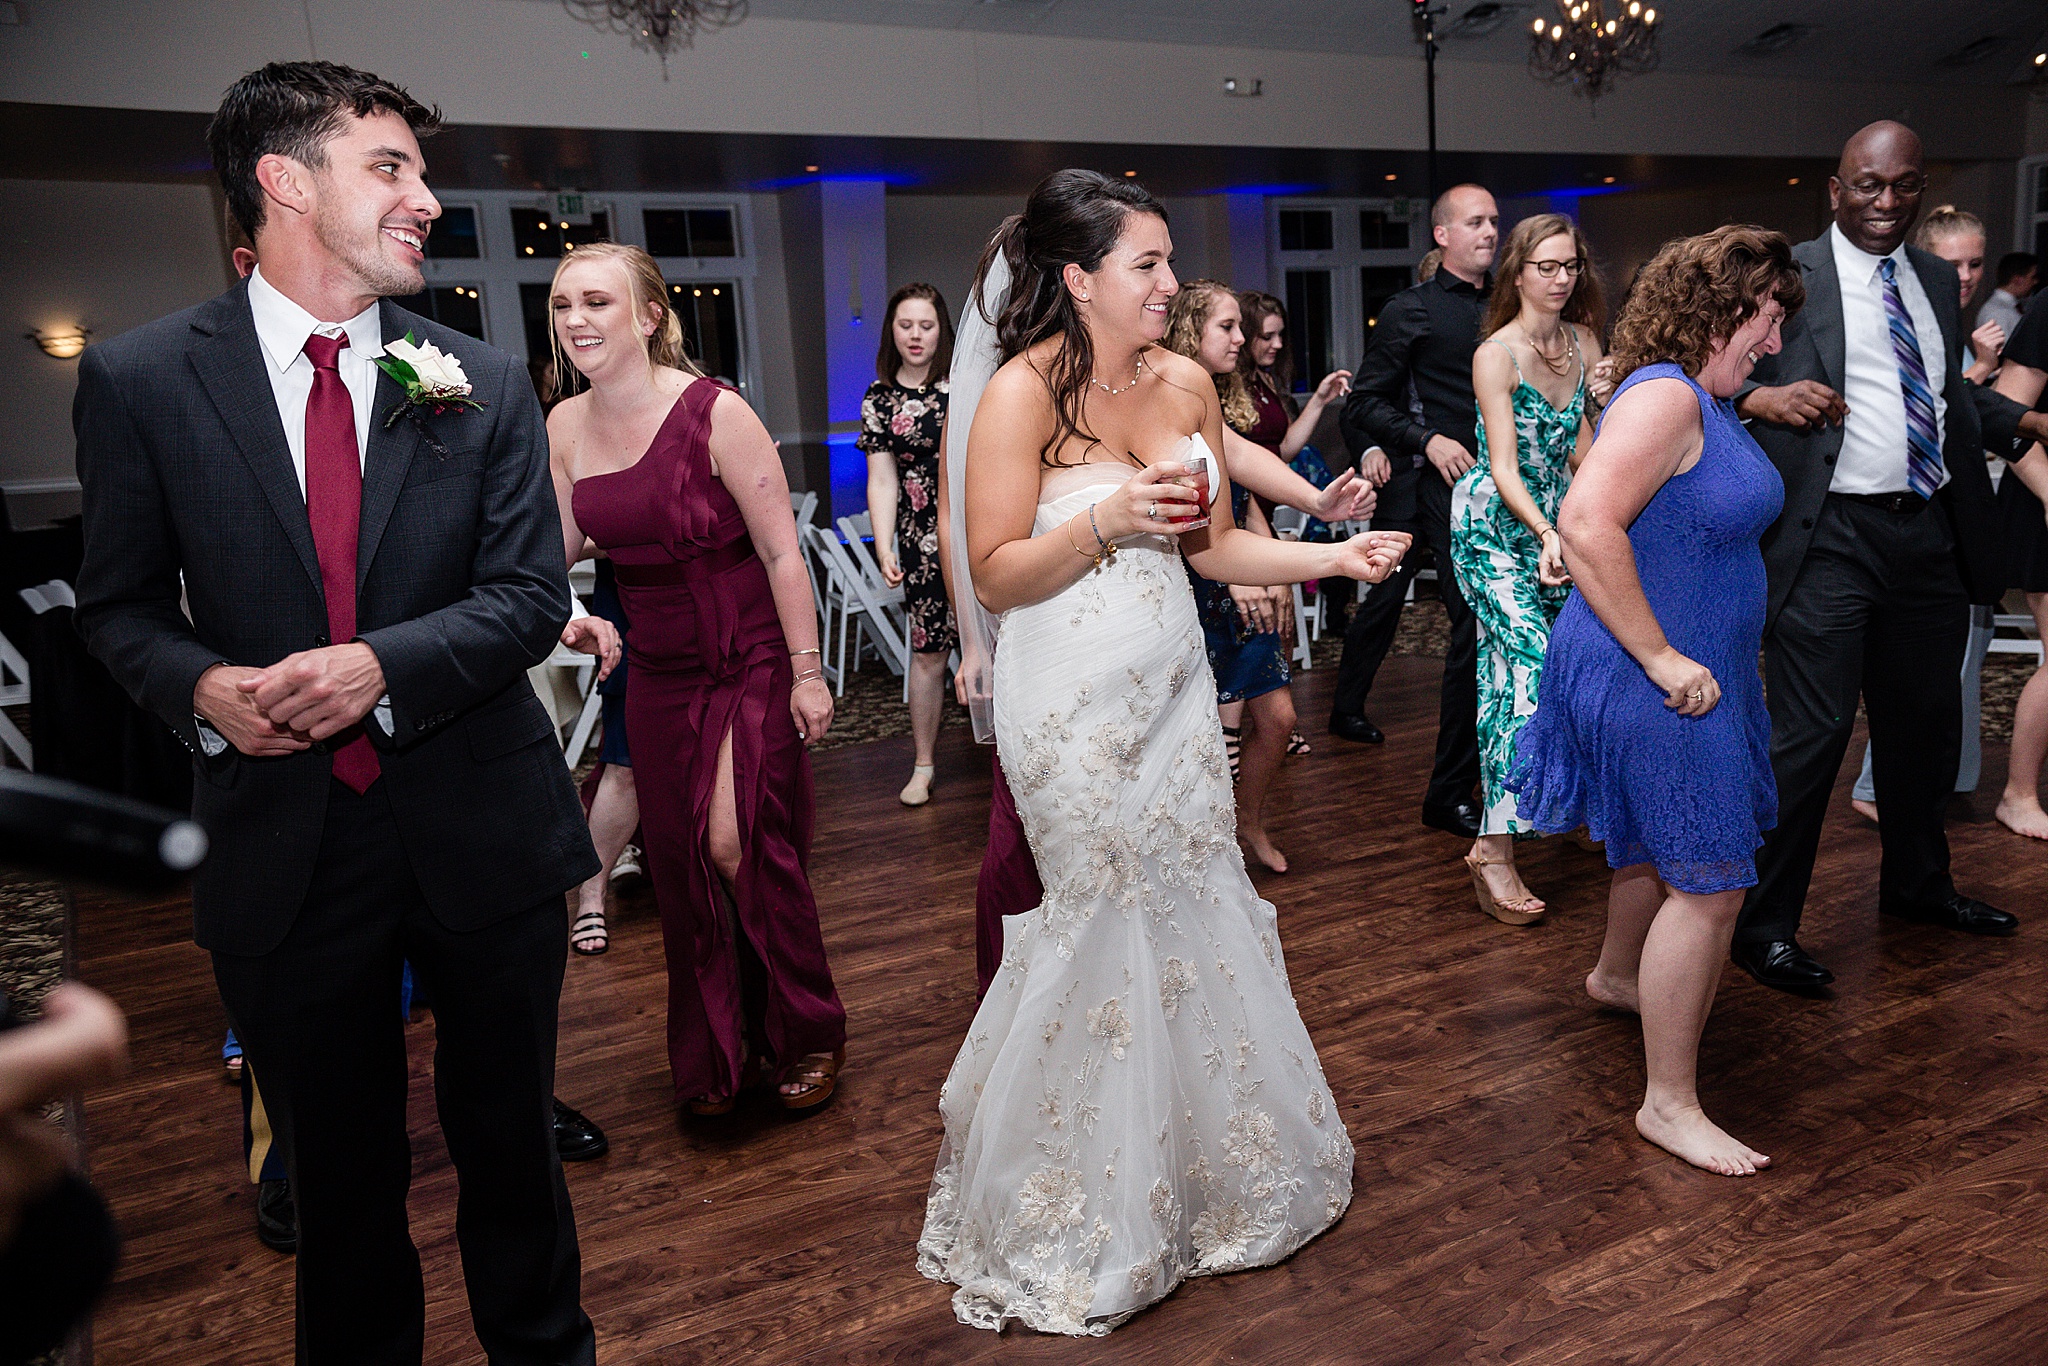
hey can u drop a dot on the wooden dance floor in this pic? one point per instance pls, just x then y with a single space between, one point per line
1505 1208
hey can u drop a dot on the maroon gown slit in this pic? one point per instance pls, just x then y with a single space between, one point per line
708 658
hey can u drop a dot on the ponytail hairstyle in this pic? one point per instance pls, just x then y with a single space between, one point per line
1945 222
1258 306
888 360
1187 317
644 286
1072 217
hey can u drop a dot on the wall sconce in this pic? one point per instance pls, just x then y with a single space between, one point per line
62 342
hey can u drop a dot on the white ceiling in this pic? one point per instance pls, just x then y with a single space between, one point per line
1900 40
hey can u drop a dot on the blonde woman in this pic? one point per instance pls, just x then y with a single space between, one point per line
675 478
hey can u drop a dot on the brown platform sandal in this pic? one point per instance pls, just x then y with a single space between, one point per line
1525 910
818 1073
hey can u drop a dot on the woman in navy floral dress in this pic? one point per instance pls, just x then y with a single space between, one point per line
900 422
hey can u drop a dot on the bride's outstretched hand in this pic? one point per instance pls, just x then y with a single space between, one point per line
1150 503
1371 555
1347 498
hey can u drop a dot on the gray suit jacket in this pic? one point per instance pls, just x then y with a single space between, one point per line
1977 420
460 588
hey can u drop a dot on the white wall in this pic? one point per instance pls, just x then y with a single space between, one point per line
108 257
517 62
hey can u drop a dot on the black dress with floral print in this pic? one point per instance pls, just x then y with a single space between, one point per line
905 423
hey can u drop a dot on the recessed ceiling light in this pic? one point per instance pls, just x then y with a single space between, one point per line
2041 59
1392 176
1607 180
812 169
1130 173
1793 181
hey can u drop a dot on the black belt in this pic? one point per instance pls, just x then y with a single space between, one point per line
1889 502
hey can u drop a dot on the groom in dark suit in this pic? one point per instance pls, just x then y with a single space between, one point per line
1889 533
362 599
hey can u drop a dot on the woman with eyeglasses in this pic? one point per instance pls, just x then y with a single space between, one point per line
1530 379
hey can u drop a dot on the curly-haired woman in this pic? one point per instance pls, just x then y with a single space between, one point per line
1650 727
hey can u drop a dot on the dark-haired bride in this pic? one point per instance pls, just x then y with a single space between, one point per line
1137 1100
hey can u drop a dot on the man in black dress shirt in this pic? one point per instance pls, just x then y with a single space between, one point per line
1412 398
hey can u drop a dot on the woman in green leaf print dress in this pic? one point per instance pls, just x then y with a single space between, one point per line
1531 378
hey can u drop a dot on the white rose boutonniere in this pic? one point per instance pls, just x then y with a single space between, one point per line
432 379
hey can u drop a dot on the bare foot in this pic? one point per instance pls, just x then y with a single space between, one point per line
1620 993
1689 1134
1263 850
1867 810
2022 818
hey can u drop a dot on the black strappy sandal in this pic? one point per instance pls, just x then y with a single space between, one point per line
588 936
1233 747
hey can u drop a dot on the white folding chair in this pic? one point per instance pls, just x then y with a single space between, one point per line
885 618
864 615
2025 639
803 505
834 600
1288 524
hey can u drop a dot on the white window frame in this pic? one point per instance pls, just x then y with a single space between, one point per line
2028 213
1343 260
499 273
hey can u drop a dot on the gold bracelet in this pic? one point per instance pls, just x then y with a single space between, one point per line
1070 540
805 677
814 650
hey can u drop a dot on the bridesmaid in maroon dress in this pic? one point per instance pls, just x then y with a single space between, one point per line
673 476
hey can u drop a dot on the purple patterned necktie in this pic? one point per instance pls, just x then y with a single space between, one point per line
1923 443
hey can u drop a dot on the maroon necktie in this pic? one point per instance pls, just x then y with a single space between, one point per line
334 505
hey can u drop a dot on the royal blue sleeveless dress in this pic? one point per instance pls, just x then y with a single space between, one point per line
1691 795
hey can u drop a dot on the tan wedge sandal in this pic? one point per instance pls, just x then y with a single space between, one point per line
818 1075
1526 910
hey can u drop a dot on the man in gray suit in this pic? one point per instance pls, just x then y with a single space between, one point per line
367 578
1889 533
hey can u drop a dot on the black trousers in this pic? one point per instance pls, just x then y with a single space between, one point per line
1419 503
1878 609
316 1018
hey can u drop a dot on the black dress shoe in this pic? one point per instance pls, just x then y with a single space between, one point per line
1355 728
277 1216
1781 963
1456 818
1959 912
576 1138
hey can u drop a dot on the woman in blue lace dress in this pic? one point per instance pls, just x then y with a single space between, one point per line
1650 726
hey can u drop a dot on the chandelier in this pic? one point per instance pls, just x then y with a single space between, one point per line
658 26
1591 52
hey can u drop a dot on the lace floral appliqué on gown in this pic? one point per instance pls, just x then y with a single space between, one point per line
1137 1100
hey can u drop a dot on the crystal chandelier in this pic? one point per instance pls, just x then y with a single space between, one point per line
1591 52
658 26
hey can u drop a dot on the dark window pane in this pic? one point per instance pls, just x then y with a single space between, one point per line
453 235
2041 190
1377 233
1308 325
1376 285
539 320
458 306
709 313
668 232
1305 230
536 234
711 233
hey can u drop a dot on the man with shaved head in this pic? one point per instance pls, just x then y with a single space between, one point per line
1889 533
1411 405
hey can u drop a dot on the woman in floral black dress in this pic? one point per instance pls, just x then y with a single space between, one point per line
900 420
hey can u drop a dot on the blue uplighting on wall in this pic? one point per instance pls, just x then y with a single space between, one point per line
897 179
849 467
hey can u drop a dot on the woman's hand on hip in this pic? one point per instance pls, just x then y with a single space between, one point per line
1689 686
810 705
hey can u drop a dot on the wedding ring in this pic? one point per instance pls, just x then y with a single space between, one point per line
1697 696
1152 513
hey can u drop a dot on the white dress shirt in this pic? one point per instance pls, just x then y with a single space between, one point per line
282 327
281 331
1873 458
2001 308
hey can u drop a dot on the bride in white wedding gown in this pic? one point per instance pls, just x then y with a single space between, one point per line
1137 1100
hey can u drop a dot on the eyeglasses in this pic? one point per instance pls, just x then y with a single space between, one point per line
1549 269
1906 187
